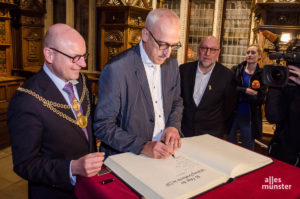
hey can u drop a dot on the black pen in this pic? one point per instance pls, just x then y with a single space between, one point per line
165 144
107 181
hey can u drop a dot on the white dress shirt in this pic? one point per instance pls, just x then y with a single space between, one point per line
201 82
153 72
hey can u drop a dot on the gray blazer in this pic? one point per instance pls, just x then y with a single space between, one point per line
124 116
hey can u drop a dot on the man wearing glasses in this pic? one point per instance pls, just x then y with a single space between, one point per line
208 92
49 120
139 106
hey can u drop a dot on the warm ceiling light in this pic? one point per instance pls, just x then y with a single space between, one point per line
285 37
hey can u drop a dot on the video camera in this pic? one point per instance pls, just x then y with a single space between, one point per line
278 75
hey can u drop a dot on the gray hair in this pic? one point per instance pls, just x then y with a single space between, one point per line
157 14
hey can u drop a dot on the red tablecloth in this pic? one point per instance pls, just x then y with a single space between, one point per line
250 186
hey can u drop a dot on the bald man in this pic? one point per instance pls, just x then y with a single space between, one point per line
49 120
208 92
139 106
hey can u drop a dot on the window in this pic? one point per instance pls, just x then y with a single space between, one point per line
235 32
200 25
175 6
228 20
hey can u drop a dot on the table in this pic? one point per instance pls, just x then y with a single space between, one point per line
284 179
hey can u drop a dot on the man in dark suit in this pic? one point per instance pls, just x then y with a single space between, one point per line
208 92
139 105
49 120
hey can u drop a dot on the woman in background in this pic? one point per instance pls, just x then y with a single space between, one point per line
251 94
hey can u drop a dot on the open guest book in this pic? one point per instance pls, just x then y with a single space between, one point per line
203 163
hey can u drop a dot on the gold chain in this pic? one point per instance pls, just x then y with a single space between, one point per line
55 104
50 104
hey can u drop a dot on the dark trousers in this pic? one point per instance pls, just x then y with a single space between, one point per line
242 123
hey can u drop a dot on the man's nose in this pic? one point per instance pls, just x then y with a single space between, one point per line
167 52
208 51
81 62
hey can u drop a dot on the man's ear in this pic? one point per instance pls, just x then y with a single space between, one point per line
48 54
145 35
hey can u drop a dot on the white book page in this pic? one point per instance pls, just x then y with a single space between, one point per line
179 177
226 157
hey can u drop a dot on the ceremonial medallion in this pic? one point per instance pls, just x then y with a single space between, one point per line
81 120
76 105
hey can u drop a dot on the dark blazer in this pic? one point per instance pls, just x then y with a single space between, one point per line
215 109
255 101
43 143
124 116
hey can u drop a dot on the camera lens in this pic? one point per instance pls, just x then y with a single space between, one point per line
277 76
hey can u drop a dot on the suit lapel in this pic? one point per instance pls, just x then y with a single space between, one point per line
142 79
52 93
164 85
191 83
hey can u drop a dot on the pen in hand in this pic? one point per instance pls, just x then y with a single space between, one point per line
165 144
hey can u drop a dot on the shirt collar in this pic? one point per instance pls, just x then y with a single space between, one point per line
60 84
145 59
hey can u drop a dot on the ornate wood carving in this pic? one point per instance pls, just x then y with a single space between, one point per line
120 26
112 51
135 36
5 38
28 20
137 20
28 33
34 41
114 36
3 66
2 32
31 6
278 14
137 3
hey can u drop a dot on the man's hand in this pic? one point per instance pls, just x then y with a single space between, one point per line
157 150
88 165
294 70
250 91
171 138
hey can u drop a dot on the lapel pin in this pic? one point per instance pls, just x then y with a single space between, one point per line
209 87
